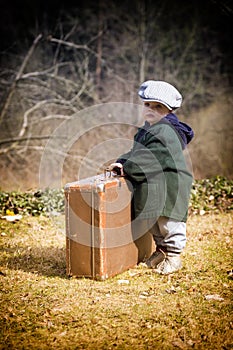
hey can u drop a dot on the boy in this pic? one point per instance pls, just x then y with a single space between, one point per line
157 169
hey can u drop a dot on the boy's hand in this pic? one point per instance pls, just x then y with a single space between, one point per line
116 168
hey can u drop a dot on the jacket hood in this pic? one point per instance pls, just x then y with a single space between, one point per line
184 130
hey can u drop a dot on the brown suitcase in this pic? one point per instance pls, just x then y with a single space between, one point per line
99 239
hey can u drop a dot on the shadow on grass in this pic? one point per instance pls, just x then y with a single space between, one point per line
47 261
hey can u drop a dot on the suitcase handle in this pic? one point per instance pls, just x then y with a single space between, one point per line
109 170
106 172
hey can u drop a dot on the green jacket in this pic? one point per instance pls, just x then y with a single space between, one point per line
157 169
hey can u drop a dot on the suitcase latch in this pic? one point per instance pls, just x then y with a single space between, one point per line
100 187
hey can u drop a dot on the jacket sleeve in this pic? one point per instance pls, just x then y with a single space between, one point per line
123 158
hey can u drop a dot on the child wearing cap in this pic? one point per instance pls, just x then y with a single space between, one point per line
157 169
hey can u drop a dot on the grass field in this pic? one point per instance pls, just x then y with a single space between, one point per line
41 308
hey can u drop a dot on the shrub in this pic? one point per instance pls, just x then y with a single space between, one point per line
207 195
214 194
32 203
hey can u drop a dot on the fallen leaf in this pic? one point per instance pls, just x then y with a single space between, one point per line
172 290
178 344
123 281
214 297
142 265
230 274
141 296
9 212
62 334
12 218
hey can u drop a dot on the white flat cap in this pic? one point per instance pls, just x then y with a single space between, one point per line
160 91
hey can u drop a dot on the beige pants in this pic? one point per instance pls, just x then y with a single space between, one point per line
168 234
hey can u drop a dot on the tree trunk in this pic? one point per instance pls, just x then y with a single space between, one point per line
19 74
99 48
142 63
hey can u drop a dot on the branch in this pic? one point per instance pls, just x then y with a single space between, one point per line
21 139
28 56
44 72
19 74
51 117
35 107
75 46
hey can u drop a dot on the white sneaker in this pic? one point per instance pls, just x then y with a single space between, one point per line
157 257
169 265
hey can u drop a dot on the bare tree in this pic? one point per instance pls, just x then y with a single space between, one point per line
97 55
39 101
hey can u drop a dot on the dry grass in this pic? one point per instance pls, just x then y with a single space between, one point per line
43 309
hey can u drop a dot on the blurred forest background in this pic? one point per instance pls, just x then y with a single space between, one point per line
58 58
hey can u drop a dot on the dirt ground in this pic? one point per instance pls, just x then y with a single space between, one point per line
41 308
